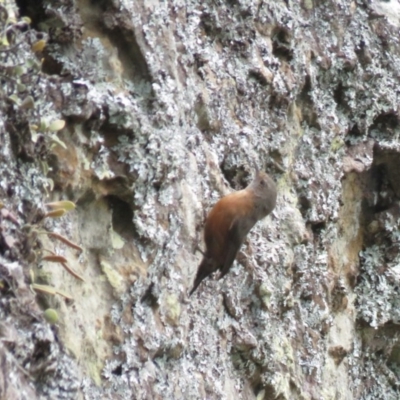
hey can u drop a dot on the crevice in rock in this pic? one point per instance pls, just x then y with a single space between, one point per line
304 204
102 20
59 24
383 344
339 95
122 217
237 177
381 185
306 103
210 25
281 44
363 54
258 76
34 10
378 282
353 134
317 227
385 126
204 119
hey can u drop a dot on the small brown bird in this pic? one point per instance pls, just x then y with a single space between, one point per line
230 221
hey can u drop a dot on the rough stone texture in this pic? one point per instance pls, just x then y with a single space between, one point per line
167 107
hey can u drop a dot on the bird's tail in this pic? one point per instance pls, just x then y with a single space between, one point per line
205 269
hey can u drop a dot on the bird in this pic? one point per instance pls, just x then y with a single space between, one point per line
229 222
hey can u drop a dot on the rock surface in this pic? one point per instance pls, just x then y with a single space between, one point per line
145 113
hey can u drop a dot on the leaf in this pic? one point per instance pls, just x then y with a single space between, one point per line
21 87
27 103
14 98
26 19
35 137
4 41
64 294
57 140
55 258
50 290
19 70
55 213
39 46
64 240
44 288
50 183
44 124
72 272
57 125
65 204
44 166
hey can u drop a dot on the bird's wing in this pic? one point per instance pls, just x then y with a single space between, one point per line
233 243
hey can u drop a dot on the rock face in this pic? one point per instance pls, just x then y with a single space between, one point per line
144 114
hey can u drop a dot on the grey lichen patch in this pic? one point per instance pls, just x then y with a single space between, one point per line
38 354
31 122
388 9
379 259
165 108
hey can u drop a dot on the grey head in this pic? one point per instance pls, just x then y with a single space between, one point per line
264 189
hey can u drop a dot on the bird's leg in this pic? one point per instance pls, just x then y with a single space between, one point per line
235 241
